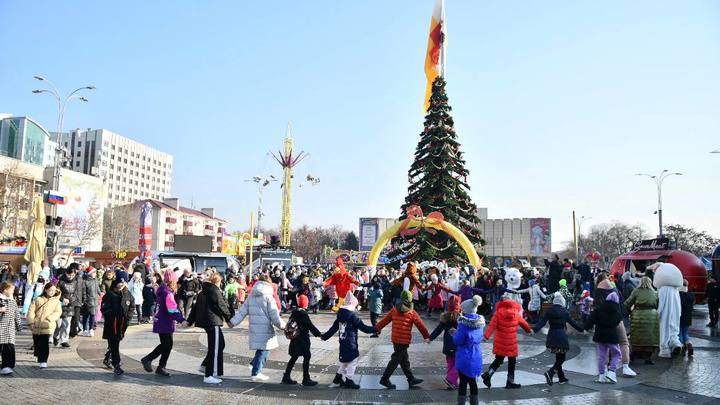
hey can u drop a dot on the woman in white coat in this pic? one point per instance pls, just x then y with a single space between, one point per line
263 314
135 287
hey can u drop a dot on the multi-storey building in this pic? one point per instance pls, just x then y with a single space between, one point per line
515 237
24 139
130 170
169 219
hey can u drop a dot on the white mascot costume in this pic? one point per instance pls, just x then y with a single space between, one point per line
453 282
668 280
513 278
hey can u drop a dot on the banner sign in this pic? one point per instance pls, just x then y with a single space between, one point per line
652 244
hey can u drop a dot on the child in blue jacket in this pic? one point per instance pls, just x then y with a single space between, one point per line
468 354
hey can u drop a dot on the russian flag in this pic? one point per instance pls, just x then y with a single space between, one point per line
55 199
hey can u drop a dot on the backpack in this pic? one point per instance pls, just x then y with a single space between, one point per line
292 330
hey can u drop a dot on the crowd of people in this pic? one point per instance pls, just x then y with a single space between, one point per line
653 304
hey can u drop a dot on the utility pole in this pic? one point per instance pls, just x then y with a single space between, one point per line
575 236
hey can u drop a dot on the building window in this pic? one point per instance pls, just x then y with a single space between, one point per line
77 164
79 144
78 154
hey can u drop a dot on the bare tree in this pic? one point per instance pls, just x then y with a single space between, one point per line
699 243
82 231
610 240
16 192
120 228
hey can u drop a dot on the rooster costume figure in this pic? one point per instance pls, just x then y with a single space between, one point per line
342 281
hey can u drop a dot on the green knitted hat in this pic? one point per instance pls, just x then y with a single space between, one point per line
406 297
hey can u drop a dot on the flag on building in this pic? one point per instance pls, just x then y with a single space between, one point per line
53 198
435 58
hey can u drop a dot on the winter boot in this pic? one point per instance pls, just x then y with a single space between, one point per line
412 381
385 382
487 376
690 350
549 376
337 382
474 400
349 383
510 384
147 364
461 399
308 382
287 380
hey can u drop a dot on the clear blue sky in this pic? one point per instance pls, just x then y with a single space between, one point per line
557 104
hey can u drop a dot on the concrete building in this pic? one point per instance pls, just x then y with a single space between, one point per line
24 139
515 237
20 182
169 219
130 170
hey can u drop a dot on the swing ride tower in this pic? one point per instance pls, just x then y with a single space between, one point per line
287 160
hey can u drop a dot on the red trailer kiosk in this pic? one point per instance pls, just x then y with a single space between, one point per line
652 251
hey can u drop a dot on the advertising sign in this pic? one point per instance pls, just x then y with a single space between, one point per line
369 228
540 242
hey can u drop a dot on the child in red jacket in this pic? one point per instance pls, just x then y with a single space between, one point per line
403 317
504 323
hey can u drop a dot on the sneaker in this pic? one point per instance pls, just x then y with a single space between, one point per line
147 364
309 383
414 381
611 376
106 363
350 384
42 365
92 333
627 371
212 380
162 372
65 344
118 371
6 371
288 381
562 380
385 382
486 379
260 377
601 379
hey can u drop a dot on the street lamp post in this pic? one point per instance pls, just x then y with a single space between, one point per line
658 179
61 102
262 182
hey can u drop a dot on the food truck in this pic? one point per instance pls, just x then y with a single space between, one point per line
647 252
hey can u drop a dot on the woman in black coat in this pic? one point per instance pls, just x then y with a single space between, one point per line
116 310
557 339
300 345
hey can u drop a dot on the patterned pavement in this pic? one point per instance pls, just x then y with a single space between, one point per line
76 374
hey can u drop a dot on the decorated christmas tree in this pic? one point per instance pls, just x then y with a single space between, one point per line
438 182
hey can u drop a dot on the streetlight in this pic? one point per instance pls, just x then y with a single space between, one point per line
659 181
716 151
62 102
262 182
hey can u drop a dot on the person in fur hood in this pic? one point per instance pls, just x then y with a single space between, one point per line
468 357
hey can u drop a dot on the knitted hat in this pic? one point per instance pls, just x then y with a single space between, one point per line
351 302
169 276
585 294
531 282
563 283
116 282
406 297
613 297
470 306
303 301
558 299
454 304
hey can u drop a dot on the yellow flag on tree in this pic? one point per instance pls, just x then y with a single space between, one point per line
435 58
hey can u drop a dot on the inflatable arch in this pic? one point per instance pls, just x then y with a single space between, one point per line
416 222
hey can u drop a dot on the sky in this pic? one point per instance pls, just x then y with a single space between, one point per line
557 104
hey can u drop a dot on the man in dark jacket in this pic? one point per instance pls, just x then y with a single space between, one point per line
300 345
116 309
71 289
555 271
210 312
188 289
712 294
